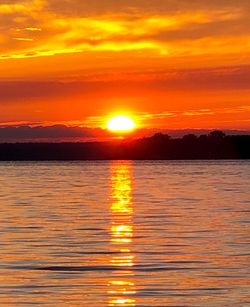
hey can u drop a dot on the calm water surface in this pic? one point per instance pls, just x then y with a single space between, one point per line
124 234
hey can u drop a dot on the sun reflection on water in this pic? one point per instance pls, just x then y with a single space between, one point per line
121 289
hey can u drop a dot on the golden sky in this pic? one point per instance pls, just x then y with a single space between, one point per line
170 63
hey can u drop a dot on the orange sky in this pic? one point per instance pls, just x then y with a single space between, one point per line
171 64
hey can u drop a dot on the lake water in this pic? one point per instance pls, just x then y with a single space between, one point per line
124 233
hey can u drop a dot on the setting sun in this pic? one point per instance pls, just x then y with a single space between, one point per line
121 123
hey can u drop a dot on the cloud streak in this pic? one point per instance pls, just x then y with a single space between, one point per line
235 78
44 32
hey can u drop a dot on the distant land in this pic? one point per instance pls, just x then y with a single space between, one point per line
215 145
63 133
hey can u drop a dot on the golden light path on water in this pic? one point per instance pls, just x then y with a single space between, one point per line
121 289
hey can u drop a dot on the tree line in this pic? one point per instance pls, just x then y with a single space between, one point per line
215 145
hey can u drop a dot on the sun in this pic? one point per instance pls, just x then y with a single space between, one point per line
121 123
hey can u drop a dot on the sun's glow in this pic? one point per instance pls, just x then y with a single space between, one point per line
121 123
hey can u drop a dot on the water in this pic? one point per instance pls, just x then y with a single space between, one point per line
124 233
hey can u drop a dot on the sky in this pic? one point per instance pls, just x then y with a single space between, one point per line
172 64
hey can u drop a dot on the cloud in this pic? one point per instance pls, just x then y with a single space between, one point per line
47 28
156 97
235 78
79 7
45 133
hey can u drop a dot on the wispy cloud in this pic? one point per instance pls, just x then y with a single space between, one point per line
25 39
146 31
234 78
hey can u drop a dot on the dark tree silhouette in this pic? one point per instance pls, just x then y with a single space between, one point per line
216 145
